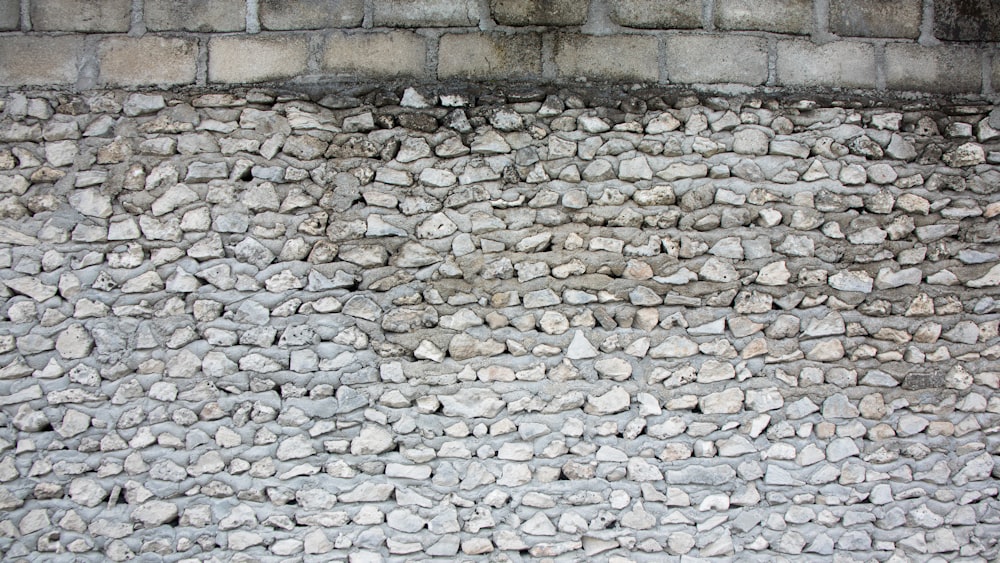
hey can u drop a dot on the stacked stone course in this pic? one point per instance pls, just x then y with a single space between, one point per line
620 325
938 46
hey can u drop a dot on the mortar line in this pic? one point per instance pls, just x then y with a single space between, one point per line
368 21
708 15
25 15
88 71
661 51
821 21
253 16
772 61
137 27
927 24
486 22
987 71
314 46
433 42
550 70
201 66
598 21
880 66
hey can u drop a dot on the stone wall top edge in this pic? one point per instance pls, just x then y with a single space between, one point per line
592 92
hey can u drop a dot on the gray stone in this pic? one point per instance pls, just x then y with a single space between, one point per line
472 403
852 281
154 513
142 104
74 342
713 475
763 400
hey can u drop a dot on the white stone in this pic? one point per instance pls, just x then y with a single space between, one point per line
774 274
718 271
372 440
674 347
613 401
296 447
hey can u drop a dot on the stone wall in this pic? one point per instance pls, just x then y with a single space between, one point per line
623 325
938 46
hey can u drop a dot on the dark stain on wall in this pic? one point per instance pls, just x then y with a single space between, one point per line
967 20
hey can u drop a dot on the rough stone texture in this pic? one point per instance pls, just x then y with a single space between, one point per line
10 14
489 56
239 60
607 58
402 323
32 60
426 13
653 14
860 18
878 46
89 16
539 12
147 61
711 59
967 20
940 70
842 63
310 14
996 80
195 15
781 16
397 53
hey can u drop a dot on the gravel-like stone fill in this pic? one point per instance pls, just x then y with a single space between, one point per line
400 326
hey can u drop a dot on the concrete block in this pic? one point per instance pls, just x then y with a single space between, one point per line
88 16
941 70
490 56
397 53
195 15
426 13
147 61
656 14
10 14
34 60
606 58
780 16
242 59
863 18
310 14
539 12
712 59
996 73
967 20
847 64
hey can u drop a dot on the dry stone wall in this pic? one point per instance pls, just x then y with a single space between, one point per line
623 325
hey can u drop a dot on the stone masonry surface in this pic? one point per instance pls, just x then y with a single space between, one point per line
916 46
553 324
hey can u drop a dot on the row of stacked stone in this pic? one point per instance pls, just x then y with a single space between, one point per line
390 325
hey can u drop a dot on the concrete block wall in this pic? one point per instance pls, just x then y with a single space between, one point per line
931 46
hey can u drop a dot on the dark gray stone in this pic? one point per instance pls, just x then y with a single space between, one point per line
861 18
539 12
967 20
